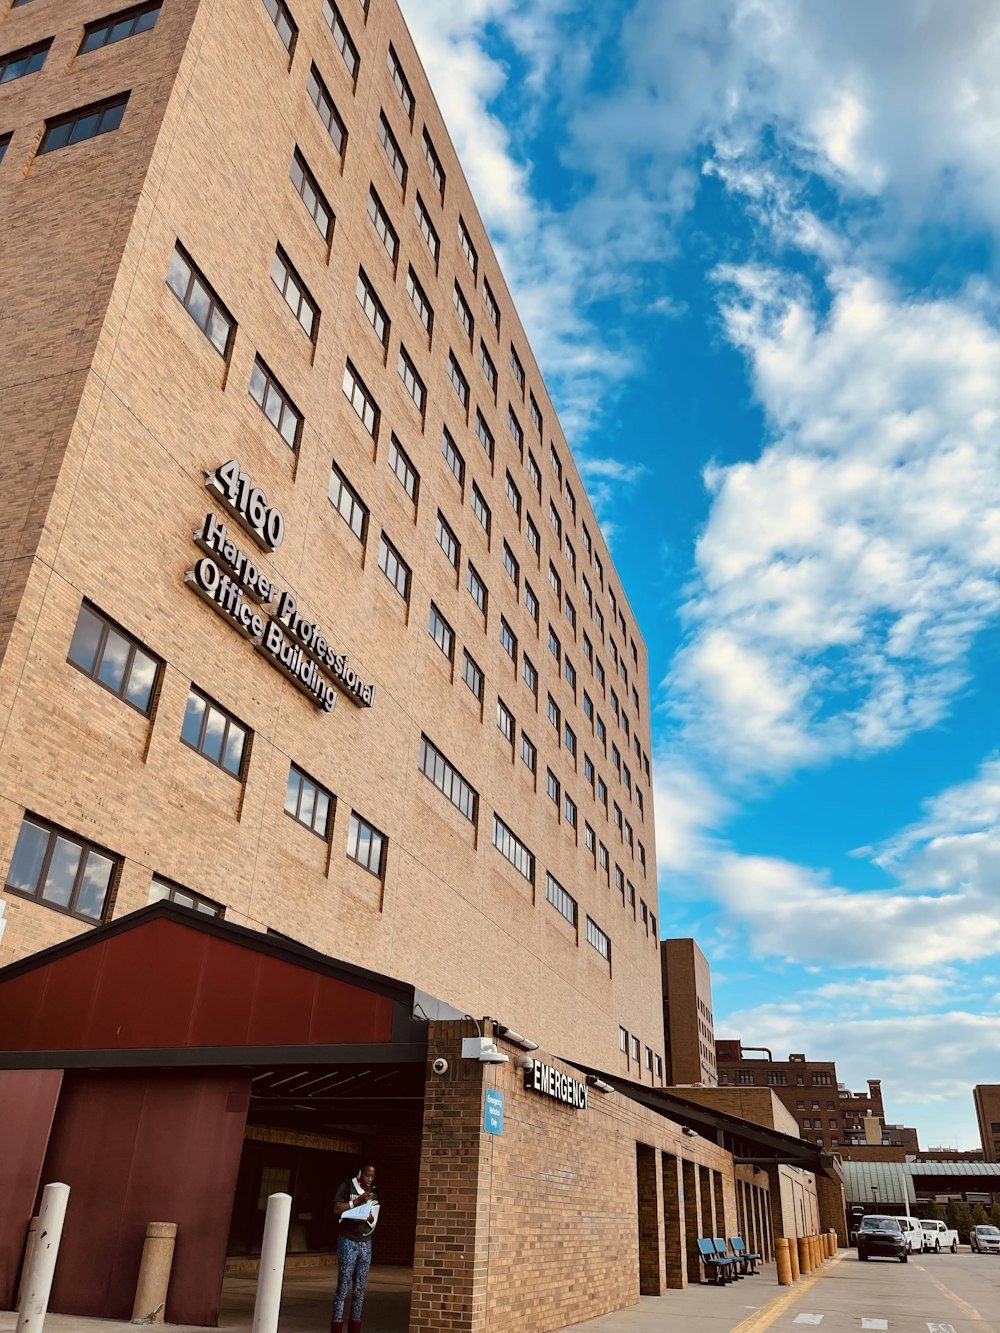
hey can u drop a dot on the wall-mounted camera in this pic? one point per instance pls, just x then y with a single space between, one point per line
440 1065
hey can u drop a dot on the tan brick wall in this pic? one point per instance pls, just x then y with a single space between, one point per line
690 1031
758 1105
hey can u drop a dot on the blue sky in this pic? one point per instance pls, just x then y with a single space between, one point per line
753 243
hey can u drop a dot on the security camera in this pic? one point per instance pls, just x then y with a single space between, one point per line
491 1056
440 1065
523 1061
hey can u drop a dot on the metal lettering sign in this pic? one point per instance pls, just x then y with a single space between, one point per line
550 1082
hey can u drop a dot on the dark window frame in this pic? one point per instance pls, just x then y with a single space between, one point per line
331 807
240 774
133 14
107 626
56 832
77 117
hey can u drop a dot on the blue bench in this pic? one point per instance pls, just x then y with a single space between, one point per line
748 1258
719 1266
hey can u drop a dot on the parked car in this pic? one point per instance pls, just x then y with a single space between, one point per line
882 1235
913 1232
938 1236
985 1239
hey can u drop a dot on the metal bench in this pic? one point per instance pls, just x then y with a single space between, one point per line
720 1268
748 1258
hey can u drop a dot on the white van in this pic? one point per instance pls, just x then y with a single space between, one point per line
914 1233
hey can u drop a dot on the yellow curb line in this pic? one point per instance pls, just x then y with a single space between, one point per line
968 1310
762 1319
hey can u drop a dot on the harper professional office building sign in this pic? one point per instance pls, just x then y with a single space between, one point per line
241 592
550 1082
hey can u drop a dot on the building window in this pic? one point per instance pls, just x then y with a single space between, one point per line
635 1048
517 368
464 312
130 22
400 83
569 739
275 403
374 309
514 426
555 582
569 810
588 769
459 382
553 713
472 675
570 611
311 195
505 721
394 567
535 474
529 754
508 844
604 861
165 890
511 566
536 416
531 532
441 632
392 150
414 385
563 902
328 113
776 1078
361 400
649 1059
744 1077
600 941
508 640
552 787
200 301
341 37
452 457
569 671
489 369
427 228
62 871
448 780
480 508
420 302
296 295
347 502
29 60
383 227
434 162
492 309
484 435
477 588
555 648
447 540
114 659
530 675
468 249
5 143
556 465
406 473
308 802
366 846
531 601
215 733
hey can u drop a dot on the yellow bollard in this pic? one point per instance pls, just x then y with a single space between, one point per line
783 1261
793 1258
154 1273
805 1266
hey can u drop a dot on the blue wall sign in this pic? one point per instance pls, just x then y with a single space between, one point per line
493 1111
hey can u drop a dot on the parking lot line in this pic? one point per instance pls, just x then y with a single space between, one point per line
766 1318
968 1310
874 1323
808 1319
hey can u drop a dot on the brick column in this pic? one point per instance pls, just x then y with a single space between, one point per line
722 1226
707 1201
832 1208
673 1222
652 1268
692 1220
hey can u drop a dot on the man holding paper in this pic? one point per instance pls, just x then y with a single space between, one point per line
356 1208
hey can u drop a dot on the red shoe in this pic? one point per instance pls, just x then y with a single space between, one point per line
336 1326
354 1326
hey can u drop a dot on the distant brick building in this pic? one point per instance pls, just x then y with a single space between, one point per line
688 1031
986 1097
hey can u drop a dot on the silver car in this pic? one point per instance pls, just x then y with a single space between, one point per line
985 1239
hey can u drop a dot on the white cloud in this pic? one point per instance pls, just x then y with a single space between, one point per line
686 809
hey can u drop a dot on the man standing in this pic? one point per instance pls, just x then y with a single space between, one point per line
357 1208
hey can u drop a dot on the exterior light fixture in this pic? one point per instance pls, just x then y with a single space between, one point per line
515 1038
598 1084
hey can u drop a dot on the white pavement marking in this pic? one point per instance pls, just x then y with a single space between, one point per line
808 1319
940 1328
874 1323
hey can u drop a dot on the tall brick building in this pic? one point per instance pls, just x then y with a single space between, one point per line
986 1097
324 718
688 1030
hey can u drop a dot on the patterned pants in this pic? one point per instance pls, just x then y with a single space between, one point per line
354 1258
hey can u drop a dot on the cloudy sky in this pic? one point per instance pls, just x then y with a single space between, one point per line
753 243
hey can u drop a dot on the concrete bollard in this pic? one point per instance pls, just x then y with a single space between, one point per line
272 1264
834 1242
783 1262
154 1273
38 1283
29 1246
793 1258
814 1258
804 1265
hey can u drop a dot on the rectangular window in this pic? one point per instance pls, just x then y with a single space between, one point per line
29 60
421 304
569 739
366 846
555 520
529 754
400 83
590 838
604 861
601 942
552 787
587 543
5 143
200 301
570 611
536 416
361 400
320 97
513 495
554 461
464 312
484 435
215 733
563 902
374 310
517 368
130 22
478 589
311 195
447 540
394 567
492 309
383 227
448 780
165 890
508 640
392 150
406 473
489 369
412 382
508 844
602 792
505 721
347 502
114 659
308 802
296 294
571 500
659 1066
588 769
649 1053
555 648
514 426
569 810
341 38
531 601
531 532
570 555
452 457
635 1048
530 675
480 508
441 632
468 249
472 675
434 162
459 382
61 870
534 473
275 403
511 566
427 228
623 1040
553 714
555 582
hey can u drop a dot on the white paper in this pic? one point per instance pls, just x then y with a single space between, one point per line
362 1213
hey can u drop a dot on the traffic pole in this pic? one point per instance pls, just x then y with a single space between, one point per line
42 1266
272 1264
